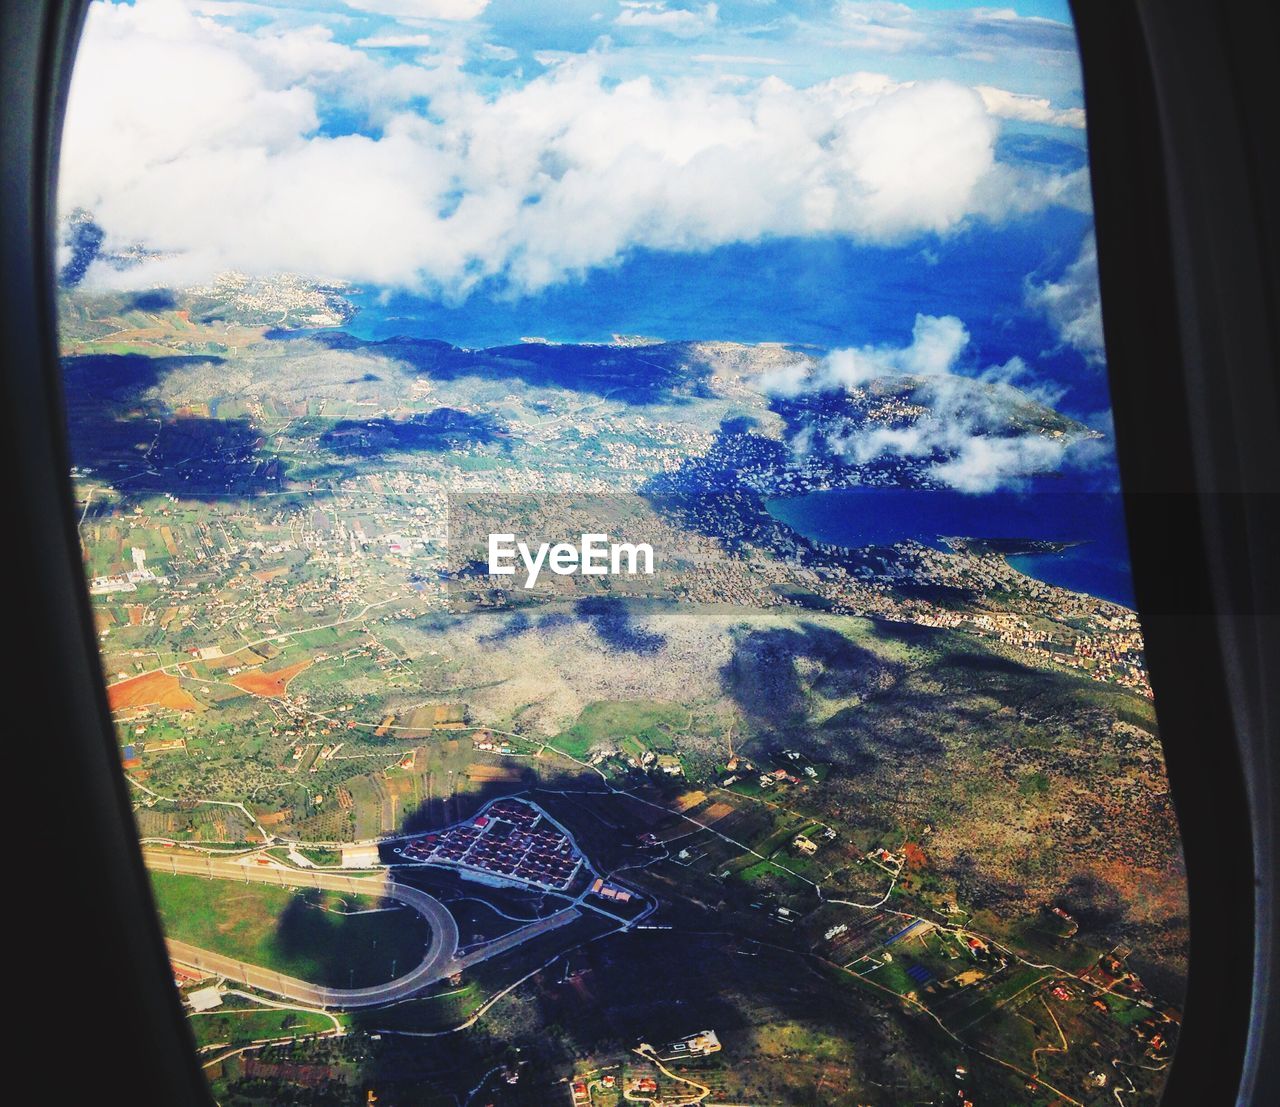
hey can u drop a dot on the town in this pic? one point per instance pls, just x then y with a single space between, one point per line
509 841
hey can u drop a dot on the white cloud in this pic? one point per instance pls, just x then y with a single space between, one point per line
737 59
393 41
787 380
984 464
497 52
447 10
1010 16
879 25
1018 374
203 141
302 56
1073 303
228 8
936 345
1029 109
964 433
655 15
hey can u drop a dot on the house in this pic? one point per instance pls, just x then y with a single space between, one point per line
701 1044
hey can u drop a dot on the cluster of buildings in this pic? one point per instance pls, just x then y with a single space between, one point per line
280 299
1069 628
129 581
580 1090
510 841
610 891
688 1048
740 769
777 776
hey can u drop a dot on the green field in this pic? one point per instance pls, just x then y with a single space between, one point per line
240 1027
300 933
320 856
1126 1012
648 721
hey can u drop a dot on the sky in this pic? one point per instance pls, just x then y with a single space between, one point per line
455 151
439 144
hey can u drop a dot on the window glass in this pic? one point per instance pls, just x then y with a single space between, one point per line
606 548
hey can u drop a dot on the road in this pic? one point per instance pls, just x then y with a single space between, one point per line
439 962
517 937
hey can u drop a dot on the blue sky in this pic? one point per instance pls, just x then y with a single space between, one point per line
1027 47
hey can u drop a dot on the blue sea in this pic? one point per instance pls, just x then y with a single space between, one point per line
1097 563
827 293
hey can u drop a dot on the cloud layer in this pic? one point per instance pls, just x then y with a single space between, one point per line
218 147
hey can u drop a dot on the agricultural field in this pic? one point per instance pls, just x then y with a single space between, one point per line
154 689
273 684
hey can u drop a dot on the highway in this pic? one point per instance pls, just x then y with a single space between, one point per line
440 960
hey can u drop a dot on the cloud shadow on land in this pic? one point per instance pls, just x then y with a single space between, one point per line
153 299
603 1001
518 624
716 493
611 620
737 454
125 436
437 431
593 992
95 380
448 806
342 950
659 373
774 673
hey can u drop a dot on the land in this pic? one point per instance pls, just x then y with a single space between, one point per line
329 938
893 822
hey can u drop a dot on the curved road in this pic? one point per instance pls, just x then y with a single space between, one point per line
440 960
